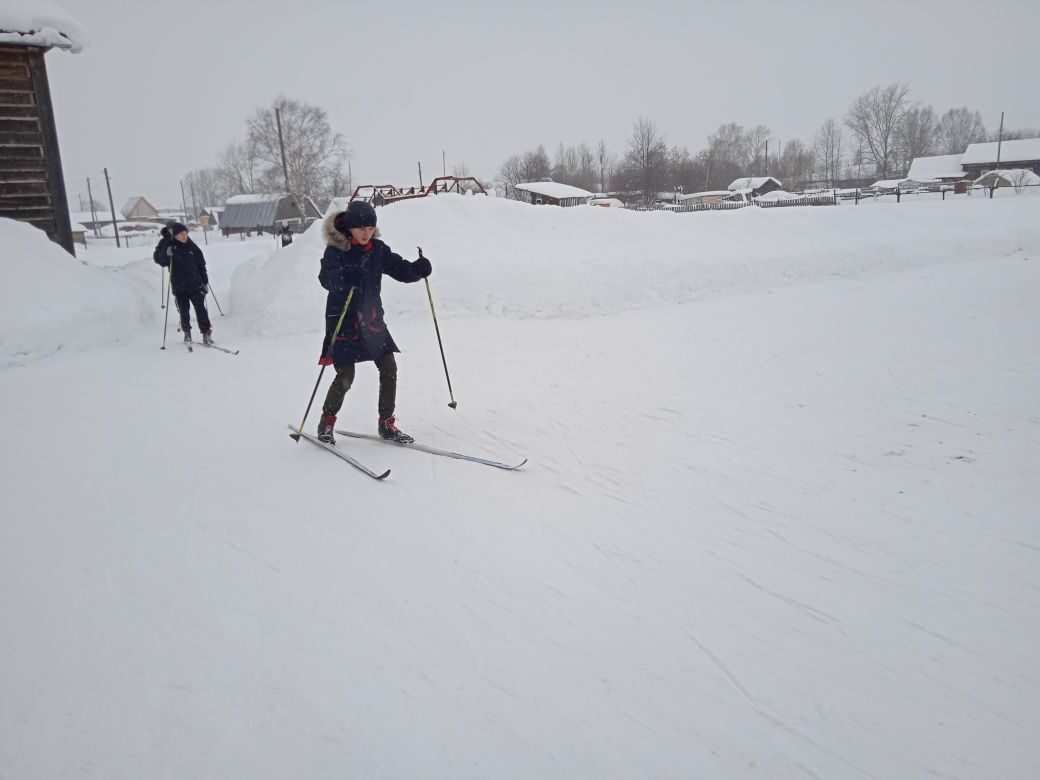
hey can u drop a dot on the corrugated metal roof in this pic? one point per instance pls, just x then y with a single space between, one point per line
251 214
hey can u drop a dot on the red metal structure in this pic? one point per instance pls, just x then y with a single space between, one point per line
384 194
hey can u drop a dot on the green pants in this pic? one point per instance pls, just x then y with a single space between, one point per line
345 378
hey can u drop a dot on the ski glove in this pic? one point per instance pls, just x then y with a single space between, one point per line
422 267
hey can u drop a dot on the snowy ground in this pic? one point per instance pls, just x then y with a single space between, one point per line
779 519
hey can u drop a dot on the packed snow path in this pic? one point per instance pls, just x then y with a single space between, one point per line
784 534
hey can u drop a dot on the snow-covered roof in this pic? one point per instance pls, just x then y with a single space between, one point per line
1018 177
132 204
40 23
902 184
705 194
552 189
1010 151
751 183
887 184
236 200
943 166
779 195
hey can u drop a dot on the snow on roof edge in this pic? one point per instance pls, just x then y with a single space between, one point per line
41 23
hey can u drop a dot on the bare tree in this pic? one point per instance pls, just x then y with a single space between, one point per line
314 154
511 174
646 156
726 156
1018 134
828 147
958 128
520 168
917 134
755 139
1019 178
795 164
685 170
565 168
239 168
536 165
208 185
586 170
604 163
874 118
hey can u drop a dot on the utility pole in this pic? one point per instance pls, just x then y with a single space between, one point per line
281 143
93 211
420 175
767 157
444 164
112 205
1000 138
195 208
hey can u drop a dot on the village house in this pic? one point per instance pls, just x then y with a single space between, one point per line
265 213
753 186
139 209
981 158
32 184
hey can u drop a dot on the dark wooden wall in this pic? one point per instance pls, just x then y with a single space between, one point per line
32 187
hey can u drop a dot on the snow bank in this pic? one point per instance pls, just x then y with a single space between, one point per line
51 302
501 258
279 292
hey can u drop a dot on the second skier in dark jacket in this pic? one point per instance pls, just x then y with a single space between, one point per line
188 278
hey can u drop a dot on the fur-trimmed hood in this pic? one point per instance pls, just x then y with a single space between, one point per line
333 237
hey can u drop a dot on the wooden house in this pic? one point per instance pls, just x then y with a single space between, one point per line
139 209
32 185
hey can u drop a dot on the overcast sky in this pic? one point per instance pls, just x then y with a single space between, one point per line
162 88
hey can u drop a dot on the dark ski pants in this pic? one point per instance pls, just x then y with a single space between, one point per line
345 378
198 300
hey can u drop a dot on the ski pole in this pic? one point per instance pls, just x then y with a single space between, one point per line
166 319
324 363
440 343
215 300
162 289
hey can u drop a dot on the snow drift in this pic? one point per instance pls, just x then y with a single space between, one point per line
52 302
501 258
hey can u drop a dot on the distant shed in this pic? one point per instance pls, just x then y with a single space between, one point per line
265 212
551 193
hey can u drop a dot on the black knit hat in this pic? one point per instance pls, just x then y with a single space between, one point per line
176 227
358 214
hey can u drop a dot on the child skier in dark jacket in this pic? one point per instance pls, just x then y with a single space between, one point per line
356 259
189 281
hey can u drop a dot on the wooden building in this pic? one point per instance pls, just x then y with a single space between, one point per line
266 213
982 158
32 185
754 186
551 193
140 210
